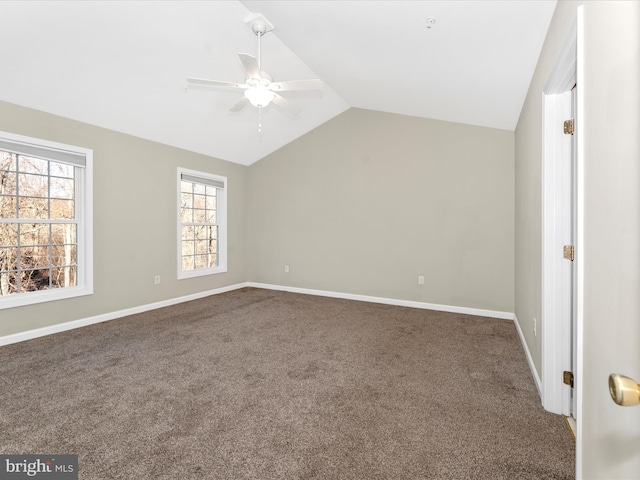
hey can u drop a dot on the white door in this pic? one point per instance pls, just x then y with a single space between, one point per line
609 303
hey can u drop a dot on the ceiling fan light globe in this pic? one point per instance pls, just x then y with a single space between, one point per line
259 96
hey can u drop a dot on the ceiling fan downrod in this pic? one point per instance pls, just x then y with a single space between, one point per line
259 29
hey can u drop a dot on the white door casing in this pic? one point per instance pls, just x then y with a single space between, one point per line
558 217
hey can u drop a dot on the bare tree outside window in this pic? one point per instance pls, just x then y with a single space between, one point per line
198 216
38 227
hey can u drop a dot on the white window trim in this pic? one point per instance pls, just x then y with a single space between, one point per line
221 207
84 217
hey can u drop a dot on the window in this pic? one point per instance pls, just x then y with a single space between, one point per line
45 221
202 231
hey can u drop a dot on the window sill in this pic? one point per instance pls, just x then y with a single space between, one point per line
32 298
201 272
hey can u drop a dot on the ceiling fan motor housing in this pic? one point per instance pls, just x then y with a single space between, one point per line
258 24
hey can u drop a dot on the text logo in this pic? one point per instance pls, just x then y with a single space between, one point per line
46 467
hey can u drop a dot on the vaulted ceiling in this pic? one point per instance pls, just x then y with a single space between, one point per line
123 65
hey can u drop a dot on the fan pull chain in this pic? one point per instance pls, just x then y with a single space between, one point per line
260 120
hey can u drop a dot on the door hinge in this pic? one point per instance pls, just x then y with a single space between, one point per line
568 252
568 126
567 378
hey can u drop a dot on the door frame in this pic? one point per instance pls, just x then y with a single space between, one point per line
556 336
556 343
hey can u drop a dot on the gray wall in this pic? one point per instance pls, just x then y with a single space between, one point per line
368 201
134 220
363 204
528 186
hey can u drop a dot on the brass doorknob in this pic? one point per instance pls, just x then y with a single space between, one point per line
624 390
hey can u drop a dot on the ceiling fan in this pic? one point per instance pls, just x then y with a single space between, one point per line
259 88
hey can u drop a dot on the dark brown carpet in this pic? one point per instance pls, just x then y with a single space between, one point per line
258 384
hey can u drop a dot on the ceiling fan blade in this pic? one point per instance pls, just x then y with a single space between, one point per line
289 85
243 102
285 104
250 65
214 83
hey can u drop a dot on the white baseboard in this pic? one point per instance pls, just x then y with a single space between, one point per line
41 332
536 378
62 327
387 301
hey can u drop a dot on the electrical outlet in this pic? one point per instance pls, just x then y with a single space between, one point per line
156 280
286 269
535 327
420 280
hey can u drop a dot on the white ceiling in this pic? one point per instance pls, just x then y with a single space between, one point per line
123 65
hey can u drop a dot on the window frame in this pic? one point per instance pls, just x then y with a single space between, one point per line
83 194
221 221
